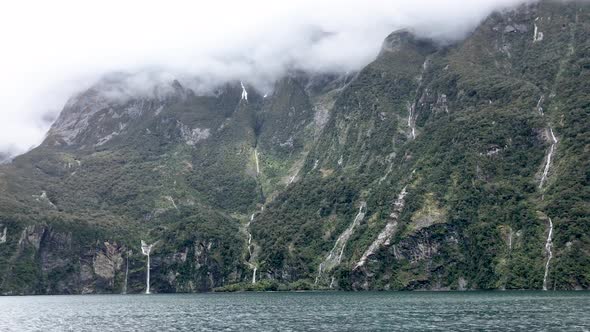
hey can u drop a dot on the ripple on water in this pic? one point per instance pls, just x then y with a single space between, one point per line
316 311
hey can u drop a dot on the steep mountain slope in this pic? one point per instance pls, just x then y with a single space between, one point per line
434 167
174 167
471 160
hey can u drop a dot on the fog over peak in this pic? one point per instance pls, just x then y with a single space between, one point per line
54 49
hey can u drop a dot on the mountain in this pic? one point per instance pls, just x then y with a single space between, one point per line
461 166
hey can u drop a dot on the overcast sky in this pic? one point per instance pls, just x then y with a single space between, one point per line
52 49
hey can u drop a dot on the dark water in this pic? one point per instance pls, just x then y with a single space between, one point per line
471 311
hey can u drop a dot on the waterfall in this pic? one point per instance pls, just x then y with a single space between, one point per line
387 172
320 268
146 250
251 260
250 244
385 236
244 92
256 158
251 252
553 135
548 245
126 275
147 282
315 164
549 156
411 109
171 200
343 238
537 35
334 257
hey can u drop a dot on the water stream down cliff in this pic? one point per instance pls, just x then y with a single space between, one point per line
334 257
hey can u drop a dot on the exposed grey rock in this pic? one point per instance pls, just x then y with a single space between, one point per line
509 28
32 236
43 198
108 261
193 136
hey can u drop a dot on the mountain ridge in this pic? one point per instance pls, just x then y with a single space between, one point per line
461 166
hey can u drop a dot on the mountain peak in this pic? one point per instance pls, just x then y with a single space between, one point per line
404 39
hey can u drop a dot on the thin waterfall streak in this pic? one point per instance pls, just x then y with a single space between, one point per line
548 246
146 250
147 283
388 231
549 157
126 275
251 261
335 255
257 164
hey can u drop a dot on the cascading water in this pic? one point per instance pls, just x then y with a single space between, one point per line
251 262
256 158
251 259
126 273
548 246
385 236
412 106
146 250
549 156
554 140
250 245
410 120
537 35
315 164
244 92
334 258
343 238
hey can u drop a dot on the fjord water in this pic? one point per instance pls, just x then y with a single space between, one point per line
310 311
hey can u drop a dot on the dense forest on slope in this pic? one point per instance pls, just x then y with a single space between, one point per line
461 166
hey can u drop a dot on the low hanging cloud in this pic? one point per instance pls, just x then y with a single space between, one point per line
53 49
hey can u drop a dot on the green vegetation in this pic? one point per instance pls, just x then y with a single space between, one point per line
182 172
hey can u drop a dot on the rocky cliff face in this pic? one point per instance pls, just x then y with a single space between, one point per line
457 166
51 262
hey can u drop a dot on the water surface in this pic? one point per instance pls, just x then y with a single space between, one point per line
312 311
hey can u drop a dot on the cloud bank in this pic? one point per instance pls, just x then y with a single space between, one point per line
52 49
